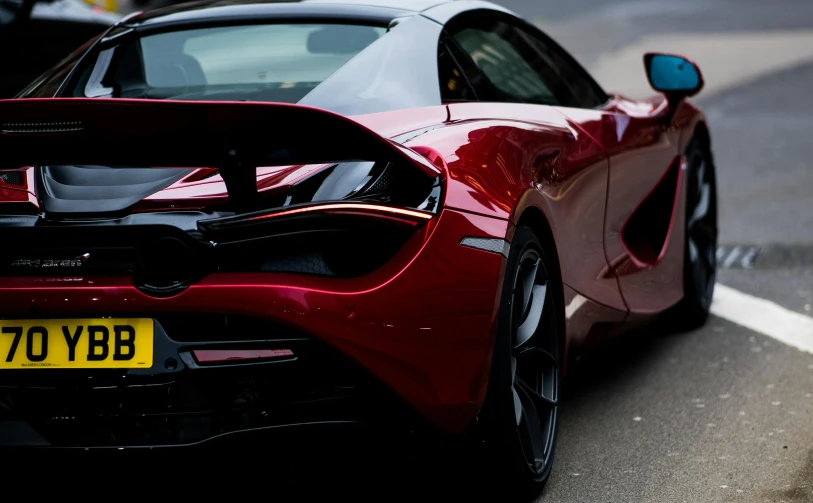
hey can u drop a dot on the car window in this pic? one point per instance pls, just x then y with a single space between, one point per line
523 66
272 62
454 86
507 60
584 91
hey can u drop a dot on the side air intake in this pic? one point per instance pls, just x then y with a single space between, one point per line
646 233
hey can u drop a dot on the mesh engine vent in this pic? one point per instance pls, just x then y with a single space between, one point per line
383 183
14 178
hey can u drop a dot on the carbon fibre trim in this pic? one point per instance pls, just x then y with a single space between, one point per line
488 244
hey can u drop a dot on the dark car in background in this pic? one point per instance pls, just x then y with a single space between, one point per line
36 35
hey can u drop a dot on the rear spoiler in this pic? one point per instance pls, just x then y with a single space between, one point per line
236 137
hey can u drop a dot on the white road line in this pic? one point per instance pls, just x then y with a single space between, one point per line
763 316
748 259
732 257
720 254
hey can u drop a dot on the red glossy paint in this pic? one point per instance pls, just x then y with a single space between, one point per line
424 323
641 147
531 158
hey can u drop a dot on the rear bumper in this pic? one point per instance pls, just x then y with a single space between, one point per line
184 401
422 325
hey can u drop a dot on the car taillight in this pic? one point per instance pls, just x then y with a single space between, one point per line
304 214
343 221
352 207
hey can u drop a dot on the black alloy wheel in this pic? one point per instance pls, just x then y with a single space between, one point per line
520 417
534 364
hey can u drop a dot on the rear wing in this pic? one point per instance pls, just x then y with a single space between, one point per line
236 137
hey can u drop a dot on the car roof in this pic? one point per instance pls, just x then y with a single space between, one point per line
373 11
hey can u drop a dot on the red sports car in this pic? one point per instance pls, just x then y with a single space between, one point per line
221 218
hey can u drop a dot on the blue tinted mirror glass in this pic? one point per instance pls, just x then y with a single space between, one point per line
672 73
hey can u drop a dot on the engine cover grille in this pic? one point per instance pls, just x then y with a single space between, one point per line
13 178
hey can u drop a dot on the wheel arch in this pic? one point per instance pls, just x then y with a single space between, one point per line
701 133
534 218
693 125
701 130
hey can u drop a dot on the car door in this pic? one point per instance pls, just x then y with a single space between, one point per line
642 243
643 235
500 66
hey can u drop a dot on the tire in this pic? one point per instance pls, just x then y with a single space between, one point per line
701 231
518 425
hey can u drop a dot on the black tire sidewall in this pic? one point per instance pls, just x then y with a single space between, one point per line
497 422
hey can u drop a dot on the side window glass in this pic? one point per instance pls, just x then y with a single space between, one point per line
506 59
582 91
479 83
454 85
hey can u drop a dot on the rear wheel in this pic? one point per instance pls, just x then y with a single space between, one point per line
700 259
522 407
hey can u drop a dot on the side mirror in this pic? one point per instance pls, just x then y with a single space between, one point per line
669 73
674 76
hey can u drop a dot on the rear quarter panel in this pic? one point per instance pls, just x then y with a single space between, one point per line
507 160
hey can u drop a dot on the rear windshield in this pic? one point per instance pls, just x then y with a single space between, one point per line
272 62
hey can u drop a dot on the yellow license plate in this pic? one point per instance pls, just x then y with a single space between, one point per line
78 344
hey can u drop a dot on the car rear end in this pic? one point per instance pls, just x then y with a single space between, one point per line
342 292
